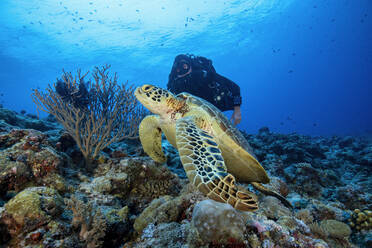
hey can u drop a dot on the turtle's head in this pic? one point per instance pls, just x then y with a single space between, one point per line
157 100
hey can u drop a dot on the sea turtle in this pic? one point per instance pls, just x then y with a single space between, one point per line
213 152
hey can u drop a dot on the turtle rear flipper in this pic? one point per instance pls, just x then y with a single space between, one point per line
150 136
266 191
205 167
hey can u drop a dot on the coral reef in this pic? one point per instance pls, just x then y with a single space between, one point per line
171 234
336 233
273 209
47 199
31 208
159 211
12 120
136 180
91 223
26 158
169 209
304 178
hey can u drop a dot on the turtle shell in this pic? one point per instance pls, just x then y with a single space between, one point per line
224 123
237 153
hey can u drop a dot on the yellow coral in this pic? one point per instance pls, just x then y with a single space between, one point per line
361 220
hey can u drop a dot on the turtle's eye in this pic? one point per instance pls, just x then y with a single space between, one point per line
146 88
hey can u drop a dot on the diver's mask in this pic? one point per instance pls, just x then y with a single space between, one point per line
183 68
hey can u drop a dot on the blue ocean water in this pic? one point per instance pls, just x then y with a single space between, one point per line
303 66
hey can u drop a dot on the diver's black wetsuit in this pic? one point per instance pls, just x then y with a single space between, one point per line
209 85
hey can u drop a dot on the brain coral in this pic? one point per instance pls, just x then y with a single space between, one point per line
336 229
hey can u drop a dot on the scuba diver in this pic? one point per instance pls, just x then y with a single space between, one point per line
197 76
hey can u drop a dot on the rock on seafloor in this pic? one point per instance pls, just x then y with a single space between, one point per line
217 221
48 199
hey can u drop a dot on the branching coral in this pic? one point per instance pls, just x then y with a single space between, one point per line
111 113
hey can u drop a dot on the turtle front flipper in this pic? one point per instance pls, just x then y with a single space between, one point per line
266 191
150 136
206 168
